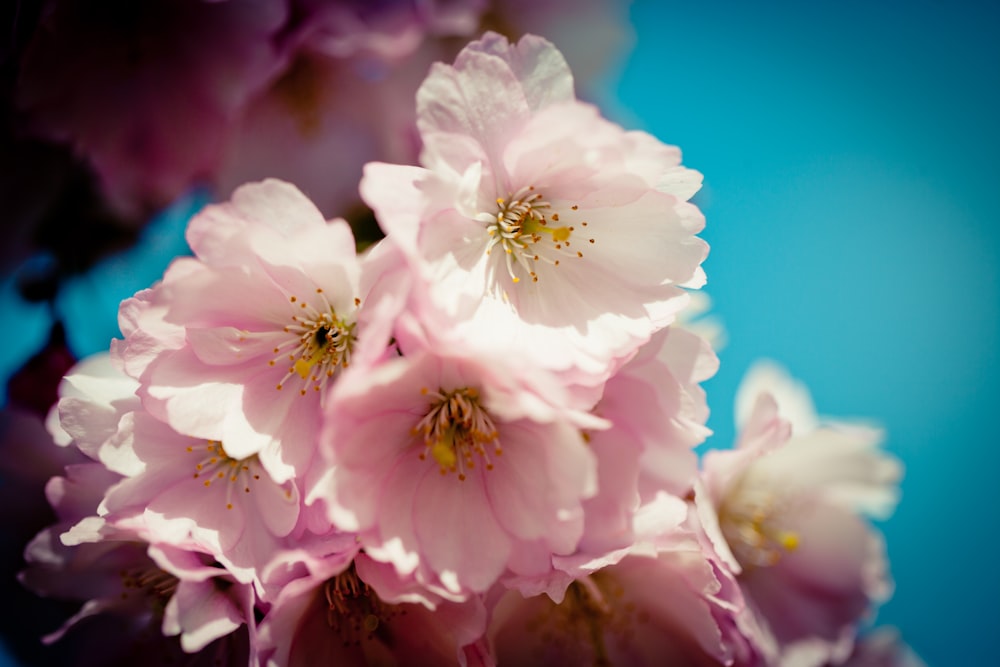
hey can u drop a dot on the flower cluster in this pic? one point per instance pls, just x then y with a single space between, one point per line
471 444
114 113
219 93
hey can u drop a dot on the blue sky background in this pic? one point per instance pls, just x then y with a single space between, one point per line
850 153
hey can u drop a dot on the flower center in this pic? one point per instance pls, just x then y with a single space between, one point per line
215 465
149 581
353 610
456 429
751 528
592 613
527 229
320 344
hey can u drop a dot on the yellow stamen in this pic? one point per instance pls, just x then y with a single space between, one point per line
304 366
443 450
522 226
456 431
790 541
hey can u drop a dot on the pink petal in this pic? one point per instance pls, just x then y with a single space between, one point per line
459 536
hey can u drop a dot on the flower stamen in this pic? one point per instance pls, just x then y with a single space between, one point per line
521 228
320 345
591 619
215 465
456 430
751 526
353 610
149 581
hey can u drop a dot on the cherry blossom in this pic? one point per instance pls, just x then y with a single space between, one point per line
472 442
790 503
657 413
346 93
659 602
535 224
241 342
448 465
334 614
179 489
119 574
184 70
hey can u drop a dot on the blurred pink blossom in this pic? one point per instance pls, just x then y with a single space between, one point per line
118 573
791 500
146 91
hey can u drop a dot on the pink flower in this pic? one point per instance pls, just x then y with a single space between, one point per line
241 343
117 572
94 397
657 413
745 632
335 615
319 123
346 94
176 489
790 504
455 468
207 604
183 70
344 98
659 603
535 224
223 94
74 497
193 491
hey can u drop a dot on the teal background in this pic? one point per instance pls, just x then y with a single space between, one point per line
850 153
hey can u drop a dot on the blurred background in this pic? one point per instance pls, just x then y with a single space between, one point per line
850 153
851 186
